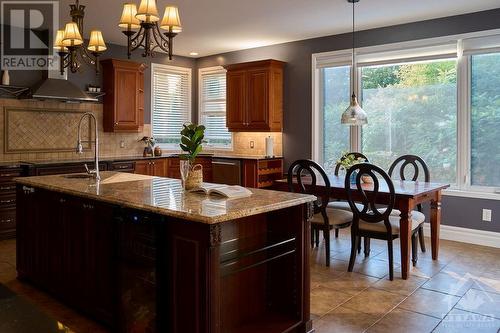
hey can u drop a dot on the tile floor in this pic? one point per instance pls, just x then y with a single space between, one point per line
458 293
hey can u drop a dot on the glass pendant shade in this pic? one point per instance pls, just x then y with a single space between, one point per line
72 35
171 19
128 19
96 43
147 11
58 42
354 115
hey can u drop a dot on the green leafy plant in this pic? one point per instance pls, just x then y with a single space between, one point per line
348 160
192 136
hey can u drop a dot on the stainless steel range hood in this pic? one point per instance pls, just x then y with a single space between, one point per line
57 87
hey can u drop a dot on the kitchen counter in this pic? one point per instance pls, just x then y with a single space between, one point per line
165 196
140 157
138 254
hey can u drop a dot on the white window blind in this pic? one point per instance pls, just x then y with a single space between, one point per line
170 102
213 107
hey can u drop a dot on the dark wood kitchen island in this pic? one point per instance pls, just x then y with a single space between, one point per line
139 255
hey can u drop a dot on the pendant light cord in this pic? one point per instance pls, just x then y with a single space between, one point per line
353 57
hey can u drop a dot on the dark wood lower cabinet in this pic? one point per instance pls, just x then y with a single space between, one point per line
8 200
140 272
65 246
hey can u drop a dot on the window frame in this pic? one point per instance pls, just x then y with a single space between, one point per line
463 186
176 70
201 72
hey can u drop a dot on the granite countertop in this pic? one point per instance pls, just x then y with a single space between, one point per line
138 157
165 196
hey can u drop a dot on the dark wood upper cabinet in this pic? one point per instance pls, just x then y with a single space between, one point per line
255 96
123 83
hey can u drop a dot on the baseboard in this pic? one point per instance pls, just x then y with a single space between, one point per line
466 235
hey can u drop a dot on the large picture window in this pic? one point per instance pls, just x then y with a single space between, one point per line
413 110
438 99
485 119
334 97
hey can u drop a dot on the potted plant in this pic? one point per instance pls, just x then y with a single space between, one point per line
192 136
349 160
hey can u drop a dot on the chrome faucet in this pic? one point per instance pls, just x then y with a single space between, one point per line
79 146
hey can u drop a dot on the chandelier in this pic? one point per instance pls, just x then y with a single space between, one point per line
69 43
147 20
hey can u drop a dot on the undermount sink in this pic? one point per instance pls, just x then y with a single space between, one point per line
78 176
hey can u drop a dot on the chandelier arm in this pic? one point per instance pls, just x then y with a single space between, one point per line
161 42
137 40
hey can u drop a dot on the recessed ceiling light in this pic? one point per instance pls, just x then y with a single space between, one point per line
193 53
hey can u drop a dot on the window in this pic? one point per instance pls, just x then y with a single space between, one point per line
437 99
170 103
485 119
212 107
334 98
412 110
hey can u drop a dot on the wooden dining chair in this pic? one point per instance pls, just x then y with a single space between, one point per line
370 221
306 173
418 165
339 204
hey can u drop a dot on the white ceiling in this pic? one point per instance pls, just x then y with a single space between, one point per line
217 26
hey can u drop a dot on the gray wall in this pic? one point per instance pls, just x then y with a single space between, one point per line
87 75
462 212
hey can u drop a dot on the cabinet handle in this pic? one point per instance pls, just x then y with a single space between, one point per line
62 200
116 124
122 167
141 90
6 221
3 202
8 175
7 188
28 190
153 163
88 206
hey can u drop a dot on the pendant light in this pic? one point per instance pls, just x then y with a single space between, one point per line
354 115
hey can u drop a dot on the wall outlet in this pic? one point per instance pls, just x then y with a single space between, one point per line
122 144
487 215
252 144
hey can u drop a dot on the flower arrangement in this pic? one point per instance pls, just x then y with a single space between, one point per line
348 160
150 143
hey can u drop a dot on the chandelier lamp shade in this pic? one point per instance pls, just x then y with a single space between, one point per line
69 43
153 34
354 115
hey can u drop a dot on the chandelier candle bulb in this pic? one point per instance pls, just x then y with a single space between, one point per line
128 19
72 35
147 11
58 43
96 43
171 20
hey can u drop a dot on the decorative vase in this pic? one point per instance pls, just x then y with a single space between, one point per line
194 177
6 78
148 152
157 151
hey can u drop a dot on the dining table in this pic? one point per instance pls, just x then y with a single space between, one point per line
408 194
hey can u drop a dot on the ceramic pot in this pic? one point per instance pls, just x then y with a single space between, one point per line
157 151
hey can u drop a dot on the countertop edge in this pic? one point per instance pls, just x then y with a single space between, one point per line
164 211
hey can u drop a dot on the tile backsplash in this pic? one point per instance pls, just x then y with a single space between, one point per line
42 136
33 135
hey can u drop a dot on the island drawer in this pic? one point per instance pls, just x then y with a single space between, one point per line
128 166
